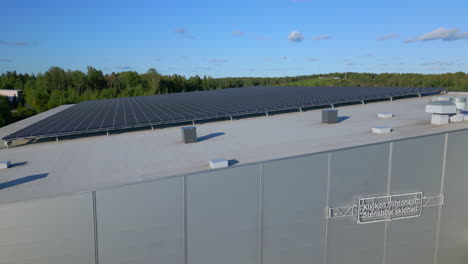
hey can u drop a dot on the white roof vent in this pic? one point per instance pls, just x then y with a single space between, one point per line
441 107
460 103
443 98
381 130
5 164
385 115
457 118
437 119
218 163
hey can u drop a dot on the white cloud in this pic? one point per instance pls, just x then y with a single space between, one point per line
200 69
124 67
296 36
387 37
444 34
183 31
438 63
217 60
312 59
436 68
367 55
264 37
238 33
14 43
283 57
442 64
322 37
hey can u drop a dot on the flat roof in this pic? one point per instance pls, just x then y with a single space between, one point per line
55 168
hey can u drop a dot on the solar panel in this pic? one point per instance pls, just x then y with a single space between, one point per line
154 110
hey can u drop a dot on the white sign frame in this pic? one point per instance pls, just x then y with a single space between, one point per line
389 198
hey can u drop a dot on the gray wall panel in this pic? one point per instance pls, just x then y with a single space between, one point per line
352 243
294 199
223 216
453 232
417 165
53 231
356 172
412 240
142 223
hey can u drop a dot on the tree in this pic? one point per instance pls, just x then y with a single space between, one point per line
5 111
96 79
14 102
55 79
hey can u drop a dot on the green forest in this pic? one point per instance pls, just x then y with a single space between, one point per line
58 86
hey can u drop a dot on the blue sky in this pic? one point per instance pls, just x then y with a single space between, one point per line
236 38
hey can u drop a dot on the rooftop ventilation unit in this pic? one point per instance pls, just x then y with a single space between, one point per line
189 134
441 111
381 130
218 163
5 164
443 98
457 118
441 107
460 103
437 119
385 115
330 116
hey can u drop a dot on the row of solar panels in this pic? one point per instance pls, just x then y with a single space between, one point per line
130 112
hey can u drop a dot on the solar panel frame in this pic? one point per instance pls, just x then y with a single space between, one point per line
144 111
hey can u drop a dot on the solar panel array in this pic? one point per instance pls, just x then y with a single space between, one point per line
130 112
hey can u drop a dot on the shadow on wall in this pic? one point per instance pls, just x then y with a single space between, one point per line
209 136
22 180
343 118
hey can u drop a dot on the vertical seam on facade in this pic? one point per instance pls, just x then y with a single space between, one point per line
185 222
389 181
327 206
260 218
96 247
441 193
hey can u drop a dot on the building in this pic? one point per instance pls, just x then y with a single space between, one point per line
296 190
11 94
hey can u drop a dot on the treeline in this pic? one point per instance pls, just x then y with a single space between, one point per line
452 81
57 86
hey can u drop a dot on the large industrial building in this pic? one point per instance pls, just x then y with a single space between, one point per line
261 175
12 94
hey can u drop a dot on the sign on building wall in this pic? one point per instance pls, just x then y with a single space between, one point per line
387 207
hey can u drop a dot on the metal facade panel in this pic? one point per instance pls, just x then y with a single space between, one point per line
417 165
294 215
53 231
352 243
142 223
356 172
453 230
412 240
223 216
